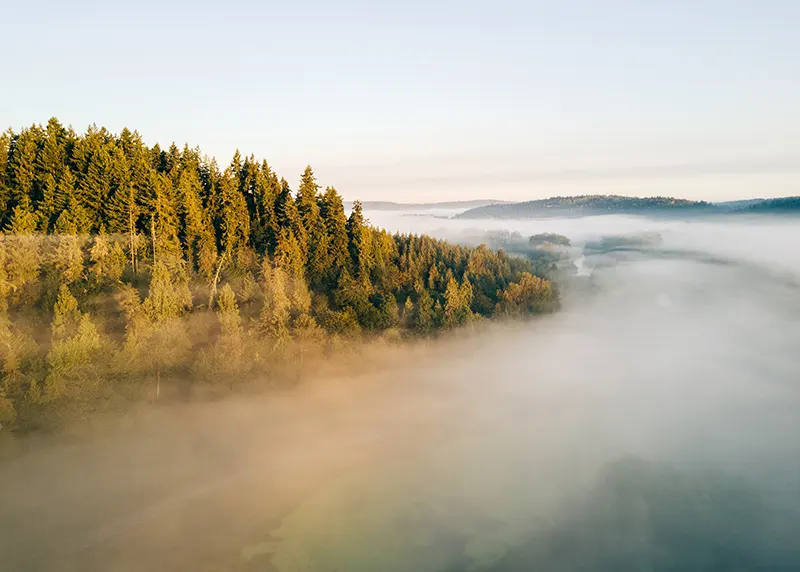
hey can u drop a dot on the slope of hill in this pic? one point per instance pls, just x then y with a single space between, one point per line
123 265
785 205
591 205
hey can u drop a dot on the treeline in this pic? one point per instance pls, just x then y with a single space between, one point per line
590 204
122 262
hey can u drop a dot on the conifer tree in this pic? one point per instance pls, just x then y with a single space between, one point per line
289 217
229 349
425 315
358 237
50 167
5 191
408 318
107 261
74 347
317 236
332 211
289 255
92 159
157 339
123 215
23 253
22 169
234 220
274 318
264 228
457 300
67 258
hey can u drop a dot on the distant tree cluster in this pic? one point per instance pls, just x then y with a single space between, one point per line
140 262
590 204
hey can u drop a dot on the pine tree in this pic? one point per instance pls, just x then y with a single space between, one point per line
164 222
67 258
22 169
122 215
317 236
50 167
92 159
192 223
408 317
289 255
425 318
358 237
74 347
332 212
457 300
156 339
5 191
23 253
229 348
234 220
289 218
264 227
107 261
274 317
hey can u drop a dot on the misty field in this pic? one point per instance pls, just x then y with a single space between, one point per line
651 424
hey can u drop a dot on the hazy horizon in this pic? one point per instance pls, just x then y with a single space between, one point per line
435 102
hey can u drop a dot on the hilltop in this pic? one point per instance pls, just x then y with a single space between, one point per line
587 205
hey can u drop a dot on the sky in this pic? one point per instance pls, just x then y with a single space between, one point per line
438 100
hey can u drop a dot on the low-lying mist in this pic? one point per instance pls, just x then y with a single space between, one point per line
651 424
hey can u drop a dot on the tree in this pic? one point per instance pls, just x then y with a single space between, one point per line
289 255
408 317
332 212
50 168
107 261
318 261
22 169
156 339
68 258
264 227
164 220
457 300
5 191
530 295
122 215
73 350
230 346
233 218
389 313
196 232
359 242
22 250
425 317
274 317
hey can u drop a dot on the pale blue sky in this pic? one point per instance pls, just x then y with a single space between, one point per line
434 100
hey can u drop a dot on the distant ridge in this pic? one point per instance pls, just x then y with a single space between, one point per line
393 206
587 205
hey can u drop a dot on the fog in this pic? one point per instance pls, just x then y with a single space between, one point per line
653 423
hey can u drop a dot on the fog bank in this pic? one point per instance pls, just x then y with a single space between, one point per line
652 423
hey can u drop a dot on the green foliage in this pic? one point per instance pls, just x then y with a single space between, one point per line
425 318
89 221
70 360
530 295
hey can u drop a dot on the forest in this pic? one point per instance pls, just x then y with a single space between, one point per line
131 273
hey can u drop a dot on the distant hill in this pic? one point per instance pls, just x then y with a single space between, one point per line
786 205
392 206
591 205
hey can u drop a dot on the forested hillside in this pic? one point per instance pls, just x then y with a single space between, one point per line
126 267
591 205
